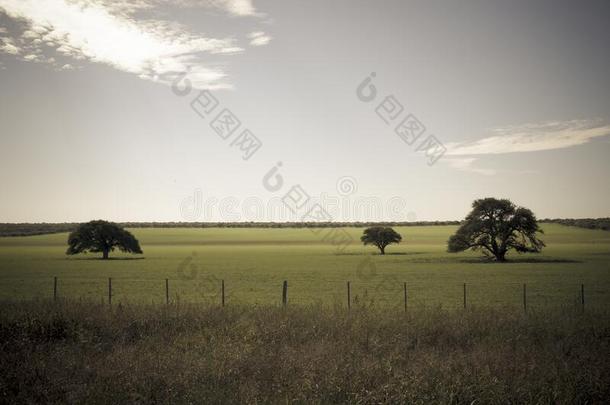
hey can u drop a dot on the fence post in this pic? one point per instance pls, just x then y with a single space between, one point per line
109 291
285 293
54 288
167 291
524 298
582 297
464 295
349 296
405 290
222 287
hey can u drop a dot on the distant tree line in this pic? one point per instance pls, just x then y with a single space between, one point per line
589 223
29 229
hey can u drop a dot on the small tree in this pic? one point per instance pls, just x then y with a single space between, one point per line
380 236
495 227
101 236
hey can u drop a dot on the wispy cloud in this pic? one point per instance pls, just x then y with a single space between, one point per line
533 138
259 38
467 165
464 156
239 7
105 31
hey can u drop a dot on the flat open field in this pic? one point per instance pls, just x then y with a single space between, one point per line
254 262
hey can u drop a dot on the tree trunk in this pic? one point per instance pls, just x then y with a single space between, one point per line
501 256
105 254
382 249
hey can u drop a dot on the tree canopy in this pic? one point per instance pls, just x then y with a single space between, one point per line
101 236
496 226
380 236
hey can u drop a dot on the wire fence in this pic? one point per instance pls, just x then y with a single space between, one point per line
384 293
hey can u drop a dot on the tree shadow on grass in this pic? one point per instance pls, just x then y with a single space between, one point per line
403 253
518 260
377 254
110 259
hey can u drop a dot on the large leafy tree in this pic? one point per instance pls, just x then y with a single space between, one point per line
101 236
380 236
495 227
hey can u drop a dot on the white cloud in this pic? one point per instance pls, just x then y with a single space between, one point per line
466 165
259 38
532 138
522 138
102 31
30 35
23 51
8 46
239 7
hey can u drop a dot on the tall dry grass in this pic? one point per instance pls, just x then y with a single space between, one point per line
81 352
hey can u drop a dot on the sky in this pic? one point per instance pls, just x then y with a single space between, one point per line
245 110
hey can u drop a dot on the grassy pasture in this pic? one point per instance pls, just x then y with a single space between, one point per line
254 262
79 352
83 351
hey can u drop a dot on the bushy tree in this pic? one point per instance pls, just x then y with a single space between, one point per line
101 236
380 236
495 227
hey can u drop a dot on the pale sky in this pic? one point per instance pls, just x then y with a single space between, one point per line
517 93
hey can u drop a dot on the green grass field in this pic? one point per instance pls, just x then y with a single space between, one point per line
254 263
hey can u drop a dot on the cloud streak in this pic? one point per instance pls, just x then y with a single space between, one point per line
239 7
467 165
259 38
532 138
523 138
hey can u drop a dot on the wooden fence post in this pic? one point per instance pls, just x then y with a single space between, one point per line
349 296
285 293
166 291
109 291
222 288
524 298
405 290
54 288
582 297
464 295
